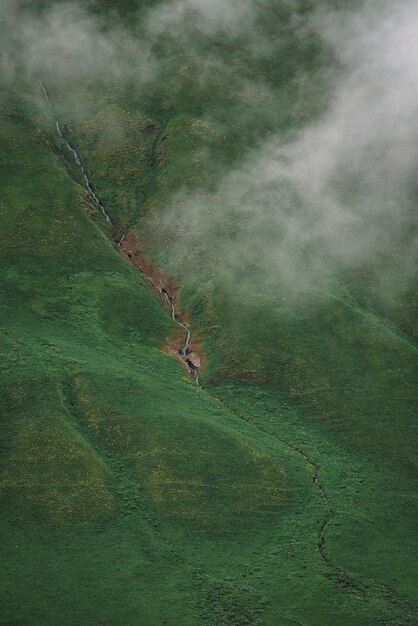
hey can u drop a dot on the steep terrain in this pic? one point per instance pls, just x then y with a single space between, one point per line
279 489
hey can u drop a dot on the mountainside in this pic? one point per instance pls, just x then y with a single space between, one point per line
208 313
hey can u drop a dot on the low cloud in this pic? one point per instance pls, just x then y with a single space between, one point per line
65 42
342 194
230 16
338 195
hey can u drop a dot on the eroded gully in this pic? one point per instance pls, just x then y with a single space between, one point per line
183 354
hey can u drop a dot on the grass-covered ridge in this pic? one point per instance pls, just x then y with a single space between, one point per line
282 491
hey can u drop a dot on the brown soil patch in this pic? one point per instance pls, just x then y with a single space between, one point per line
132 249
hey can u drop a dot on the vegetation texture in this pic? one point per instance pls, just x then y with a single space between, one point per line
281 490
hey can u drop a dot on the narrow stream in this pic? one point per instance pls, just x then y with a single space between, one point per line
183 355
75 156
161 288
185 350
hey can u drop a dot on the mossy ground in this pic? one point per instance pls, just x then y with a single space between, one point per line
129 495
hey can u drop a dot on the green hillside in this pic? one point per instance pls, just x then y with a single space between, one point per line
281 490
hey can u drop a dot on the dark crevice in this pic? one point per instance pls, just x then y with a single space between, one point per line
328 511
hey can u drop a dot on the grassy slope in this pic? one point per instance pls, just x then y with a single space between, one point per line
345 366
122 482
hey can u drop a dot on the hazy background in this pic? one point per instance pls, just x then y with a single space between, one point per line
299 206
340 193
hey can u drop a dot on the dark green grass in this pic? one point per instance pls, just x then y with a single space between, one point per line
129 496
119 478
